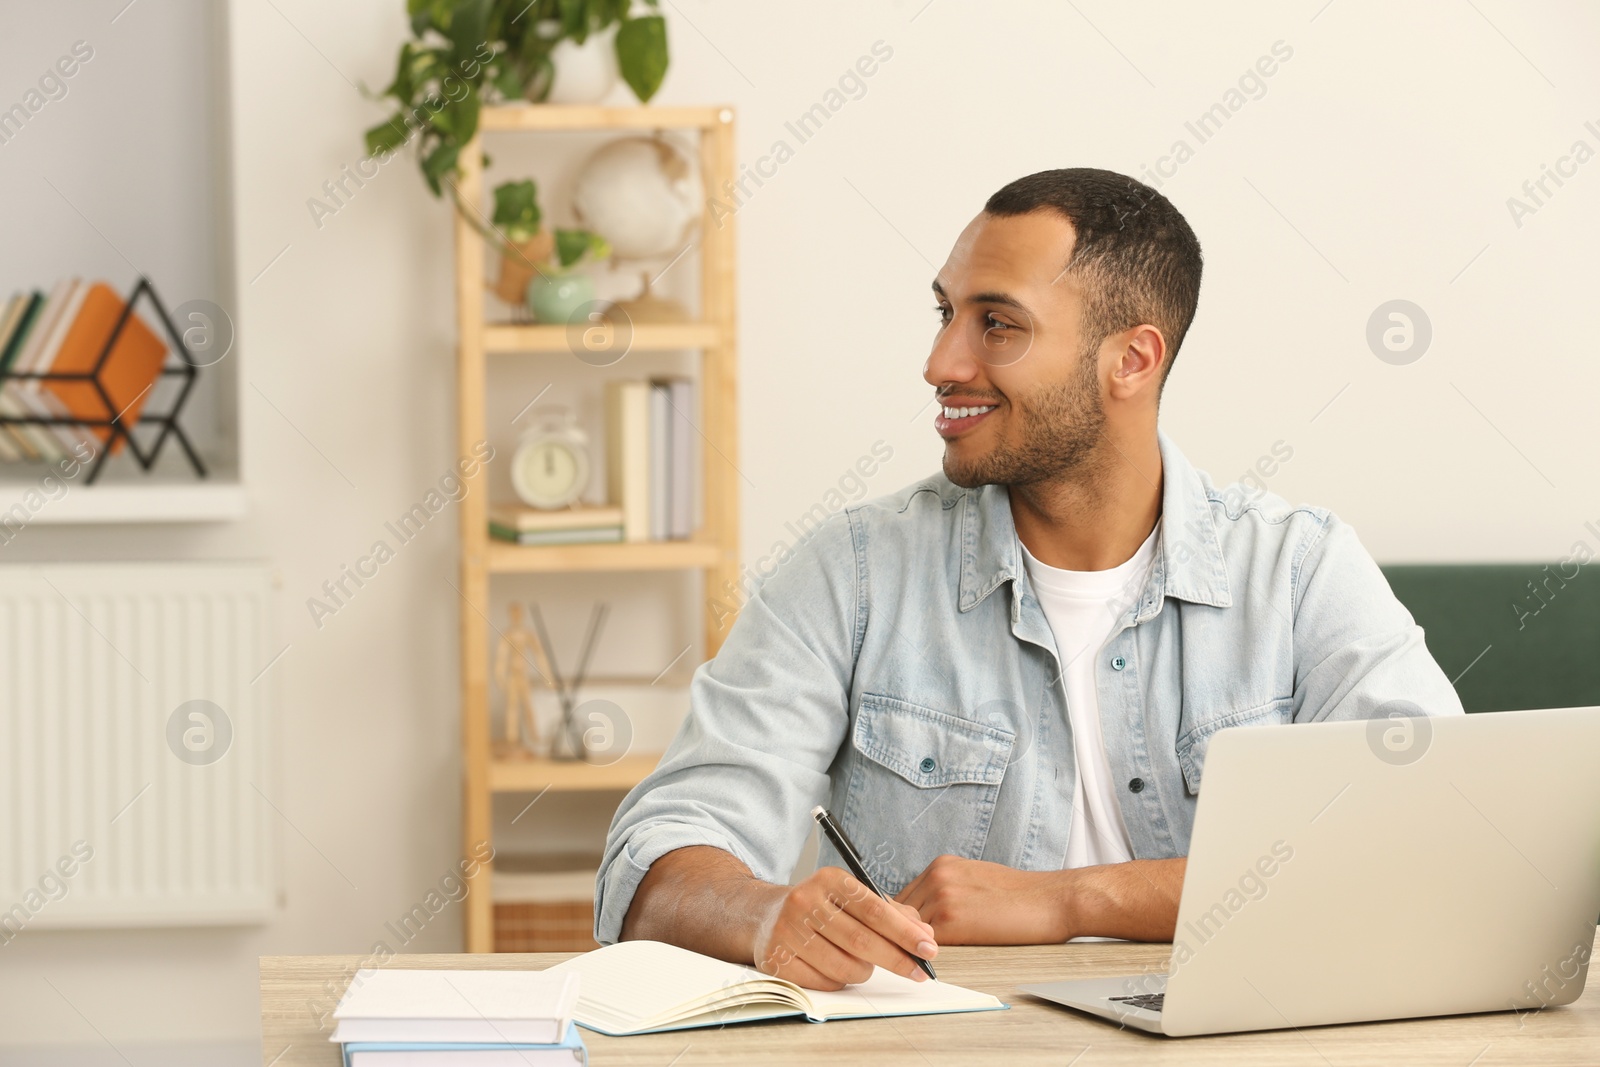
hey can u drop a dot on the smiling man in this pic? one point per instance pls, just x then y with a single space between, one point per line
1003 680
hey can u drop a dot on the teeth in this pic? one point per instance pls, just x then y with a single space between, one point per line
961 413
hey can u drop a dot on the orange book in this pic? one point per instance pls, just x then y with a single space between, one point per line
130 370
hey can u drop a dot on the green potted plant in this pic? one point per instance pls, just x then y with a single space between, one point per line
467 53
540 268
557 293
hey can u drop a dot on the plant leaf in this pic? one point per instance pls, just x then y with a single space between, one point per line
469 26
642 54
571 245
439 163
387 136
575 19
543 77
508 83
516 210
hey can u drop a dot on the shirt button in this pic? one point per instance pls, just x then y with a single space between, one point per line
1118 663
1136 786
927 765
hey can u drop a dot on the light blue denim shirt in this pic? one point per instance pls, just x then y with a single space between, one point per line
898 667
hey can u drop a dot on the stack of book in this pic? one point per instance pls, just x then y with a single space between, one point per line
404 1018
652 455
581 525
64 333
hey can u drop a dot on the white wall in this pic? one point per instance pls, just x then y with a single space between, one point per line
1377 165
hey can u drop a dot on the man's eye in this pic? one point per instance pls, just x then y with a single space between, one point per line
943 313
995 324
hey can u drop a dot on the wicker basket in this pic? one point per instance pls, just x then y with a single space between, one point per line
555 926
544 903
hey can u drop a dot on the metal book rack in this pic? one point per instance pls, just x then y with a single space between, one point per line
185 368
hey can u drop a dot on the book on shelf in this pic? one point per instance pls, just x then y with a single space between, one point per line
580 516
33 393
660 460
584 524
65 333
130 371
578 535
684 466
652 454
37 440
485 1018
15 323
627 413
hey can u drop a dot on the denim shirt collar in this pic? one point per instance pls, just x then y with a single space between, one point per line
1188 563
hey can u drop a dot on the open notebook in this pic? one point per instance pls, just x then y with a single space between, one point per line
639 987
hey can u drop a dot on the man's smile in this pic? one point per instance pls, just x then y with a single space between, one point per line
957 417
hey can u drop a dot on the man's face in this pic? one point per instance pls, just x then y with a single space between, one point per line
1020 397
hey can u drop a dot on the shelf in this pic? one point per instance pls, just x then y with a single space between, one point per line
588 117
191 501
506 558
647 337
568 776
483 333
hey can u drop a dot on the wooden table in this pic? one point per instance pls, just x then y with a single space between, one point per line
295 988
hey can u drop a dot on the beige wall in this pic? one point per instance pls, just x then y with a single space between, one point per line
1376 165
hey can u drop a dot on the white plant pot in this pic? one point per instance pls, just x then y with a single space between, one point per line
586 73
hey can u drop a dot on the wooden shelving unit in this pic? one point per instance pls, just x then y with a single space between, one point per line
646 337
536 775
506 558
714 549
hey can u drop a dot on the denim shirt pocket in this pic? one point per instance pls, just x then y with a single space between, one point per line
924 783
1192 746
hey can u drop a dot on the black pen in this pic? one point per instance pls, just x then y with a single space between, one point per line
852 859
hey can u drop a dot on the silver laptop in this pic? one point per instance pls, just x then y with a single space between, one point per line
1385 869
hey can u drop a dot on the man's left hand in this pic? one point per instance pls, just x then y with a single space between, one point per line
972 902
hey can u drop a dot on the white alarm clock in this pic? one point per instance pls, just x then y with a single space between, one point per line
550 468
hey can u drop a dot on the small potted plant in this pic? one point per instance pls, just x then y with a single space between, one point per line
559 291
526 242
539 266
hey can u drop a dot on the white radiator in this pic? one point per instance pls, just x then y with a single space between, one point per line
114 811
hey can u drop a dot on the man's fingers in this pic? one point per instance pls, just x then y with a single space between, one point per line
832 962
912 935
910 912
802 973
914 897
905 895
865 944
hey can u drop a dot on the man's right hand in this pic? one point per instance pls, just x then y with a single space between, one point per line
830 931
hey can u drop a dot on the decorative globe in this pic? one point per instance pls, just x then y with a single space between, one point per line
641 194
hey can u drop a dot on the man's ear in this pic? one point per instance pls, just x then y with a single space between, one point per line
1141 355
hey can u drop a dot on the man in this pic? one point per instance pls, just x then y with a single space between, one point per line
1003 681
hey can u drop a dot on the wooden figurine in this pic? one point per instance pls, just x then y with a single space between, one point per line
518 657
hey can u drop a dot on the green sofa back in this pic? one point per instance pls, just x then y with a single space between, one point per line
1525 635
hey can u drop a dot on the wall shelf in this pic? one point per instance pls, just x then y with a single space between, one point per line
187 501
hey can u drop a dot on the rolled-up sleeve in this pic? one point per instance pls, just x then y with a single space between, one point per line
766 719
1357 648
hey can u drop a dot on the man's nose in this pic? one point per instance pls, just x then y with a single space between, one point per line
952 359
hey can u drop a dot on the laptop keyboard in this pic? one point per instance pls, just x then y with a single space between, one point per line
1147 1001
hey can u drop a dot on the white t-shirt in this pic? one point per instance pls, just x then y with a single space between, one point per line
1083 607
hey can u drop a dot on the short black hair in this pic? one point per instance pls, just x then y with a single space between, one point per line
1135 254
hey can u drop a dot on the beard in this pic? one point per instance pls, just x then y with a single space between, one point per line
1056 434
